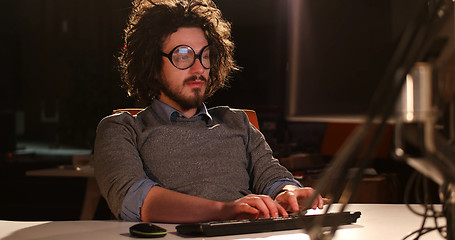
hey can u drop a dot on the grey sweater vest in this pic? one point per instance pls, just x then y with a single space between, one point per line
223 161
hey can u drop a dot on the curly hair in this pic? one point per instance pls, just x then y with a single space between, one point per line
150 22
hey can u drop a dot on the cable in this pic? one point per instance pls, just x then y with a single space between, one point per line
423 232
421 183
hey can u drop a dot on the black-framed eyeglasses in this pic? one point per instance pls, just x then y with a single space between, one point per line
183 56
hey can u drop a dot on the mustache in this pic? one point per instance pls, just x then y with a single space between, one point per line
194 78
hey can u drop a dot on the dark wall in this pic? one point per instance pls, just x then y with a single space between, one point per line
62 71
259 32
66 55
9 70
63 75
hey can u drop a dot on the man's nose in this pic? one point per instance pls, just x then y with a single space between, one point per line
197 67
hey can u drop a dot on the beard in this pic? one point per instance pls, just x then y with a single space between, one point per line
186 103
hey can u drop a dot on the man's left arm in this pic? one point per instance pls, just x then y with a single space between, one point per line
284 189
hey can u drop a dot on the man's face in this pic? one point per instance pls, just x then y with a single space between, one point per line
184 89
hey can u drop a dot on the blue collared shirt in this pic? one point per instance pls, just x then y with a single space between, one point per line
132 203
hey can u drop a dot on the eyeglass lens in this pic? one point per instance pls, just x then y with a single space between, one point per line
184 57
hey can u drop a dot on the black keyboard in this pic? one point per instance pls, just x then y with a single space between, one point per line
221 228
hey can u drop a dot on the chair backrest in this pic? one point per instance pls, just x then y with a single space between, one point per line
252 117
132 111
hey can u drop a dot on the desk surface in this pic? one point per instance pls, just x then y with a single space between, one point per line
378 221
64 171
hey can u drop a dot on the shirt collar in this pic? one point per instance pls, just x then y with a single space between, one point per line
168 113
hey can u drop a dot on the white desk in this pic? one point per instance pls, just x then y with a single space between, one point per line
378 222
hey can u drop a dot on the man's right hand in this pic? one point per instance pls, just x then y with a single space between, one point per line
252 207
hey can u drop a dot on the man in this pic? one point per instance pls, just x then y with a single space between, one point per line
177 161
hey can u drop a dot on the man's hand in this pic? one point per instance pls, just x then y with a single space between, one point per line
293 198
253 207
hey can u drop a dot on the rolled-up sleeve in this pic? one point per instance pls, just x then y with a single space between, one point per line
117 162
273 188
132 203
